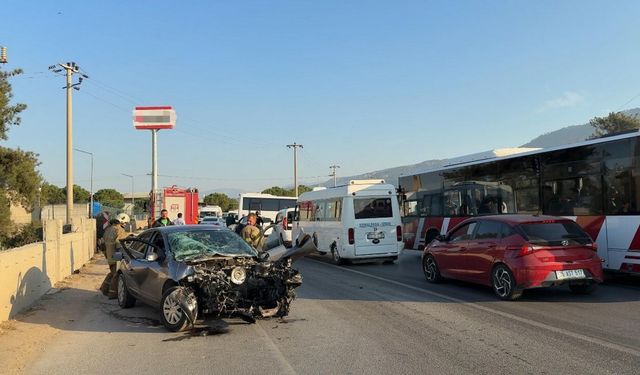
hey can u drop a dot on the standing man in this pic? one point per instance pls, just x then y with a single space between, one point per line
259 221
112 236
251 234
163 221
102 223
179 220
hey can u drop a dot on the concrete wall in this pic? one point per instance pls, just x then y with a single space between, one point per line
28 272
59 211
19 215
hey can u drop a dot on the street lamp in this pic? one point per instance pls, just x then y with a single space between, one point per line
91 188
133 201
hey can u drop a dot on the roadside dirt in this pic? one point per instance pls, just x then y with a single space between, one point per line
26 336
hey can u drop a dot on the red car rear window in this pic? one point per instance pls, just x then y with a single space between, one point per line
552 234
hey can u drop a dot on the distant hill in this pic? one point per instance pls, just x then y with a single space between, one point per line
569 134
563 136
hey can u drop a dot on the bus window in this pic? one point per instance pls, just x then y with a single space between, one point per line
372 208
573 196
410 208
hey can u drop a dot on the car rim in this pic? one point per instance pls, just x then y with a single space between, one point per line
502 282
171 309
120 290
430 269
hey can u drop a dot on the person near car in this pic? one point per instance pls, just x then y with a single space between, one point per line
259 221
102 223
112 236
163 220
230 220
250 233
179 220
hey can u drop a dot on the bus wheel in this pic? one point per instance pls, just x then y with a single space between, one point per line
335 255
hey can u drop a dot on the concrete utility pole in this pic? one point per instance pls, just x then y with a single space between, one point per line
70 68
333 174
91 187
295 147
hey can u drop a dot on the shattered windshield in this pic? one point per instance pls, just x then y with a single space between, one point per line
191 245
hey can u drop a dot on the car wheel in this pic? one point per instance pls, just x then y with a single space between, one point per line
587 288
431 270
125 299
504 284
172 306
337 259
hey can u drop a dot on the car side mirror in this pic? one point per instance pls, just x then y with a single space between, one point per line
152 257
441 238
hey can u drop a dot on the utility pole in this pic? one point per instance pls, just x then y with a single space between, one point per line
91 188
295 147
333 174
70 68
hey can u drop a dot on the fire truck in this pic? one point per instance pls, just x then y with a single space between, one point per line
175 200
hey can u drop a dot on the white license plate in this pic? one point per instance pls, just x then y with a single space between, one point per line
375 235
570 274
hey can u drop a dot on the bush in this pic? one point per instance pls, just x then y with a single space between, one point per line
27 234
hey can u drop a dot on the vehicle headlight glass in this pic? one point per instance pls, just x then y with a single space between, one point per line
238 275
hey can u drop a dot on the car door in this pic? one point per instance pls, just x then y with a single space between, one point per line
133 263
155 274
450 253
478 257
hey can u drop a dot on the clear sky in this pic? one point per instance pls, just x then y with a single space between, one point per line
366 85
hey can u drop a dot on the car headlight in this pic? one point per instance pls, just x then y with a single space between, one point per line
238 275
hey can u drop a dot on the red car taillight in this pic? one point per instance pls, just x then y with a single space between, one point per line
351 236
399 233
523 250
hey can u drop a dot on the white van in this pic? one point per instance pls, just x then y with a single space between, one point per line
357 221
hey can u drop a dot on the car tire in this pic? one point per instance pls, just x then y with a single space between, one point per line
584 289
504 284
431 270
125 299
171 313
335 256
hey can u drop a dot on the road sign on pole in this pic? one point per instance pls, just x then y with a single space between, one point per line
154 118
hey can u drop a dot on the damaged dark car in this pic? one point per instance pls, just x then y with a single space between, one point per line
194 271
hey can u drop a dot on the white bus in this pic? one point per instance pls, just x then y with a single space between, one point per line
595 182
357 221
267 204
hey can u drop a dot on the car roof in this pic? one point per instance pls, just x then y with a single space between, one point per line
516 219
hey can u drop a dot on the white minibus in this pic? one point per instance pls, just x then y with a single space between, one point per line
356 221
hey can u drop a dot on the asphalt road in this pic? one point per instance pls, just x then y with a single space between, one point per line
369 318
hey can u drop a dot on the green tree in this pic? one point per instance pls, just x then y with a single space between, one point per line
615 122
109 197
220 199
19 179
282 192
8 113
51 194
80 194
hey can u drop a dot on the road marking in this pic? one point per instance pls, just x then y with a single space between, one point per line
592 340
287 368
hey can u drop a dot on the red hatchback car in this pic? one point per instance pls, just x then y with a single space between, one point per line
515 252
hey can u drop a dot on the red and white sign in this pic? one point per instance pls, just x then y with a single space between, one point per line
149 118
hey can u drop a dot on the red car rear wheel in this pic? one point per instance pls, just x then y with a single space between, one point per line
504 284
